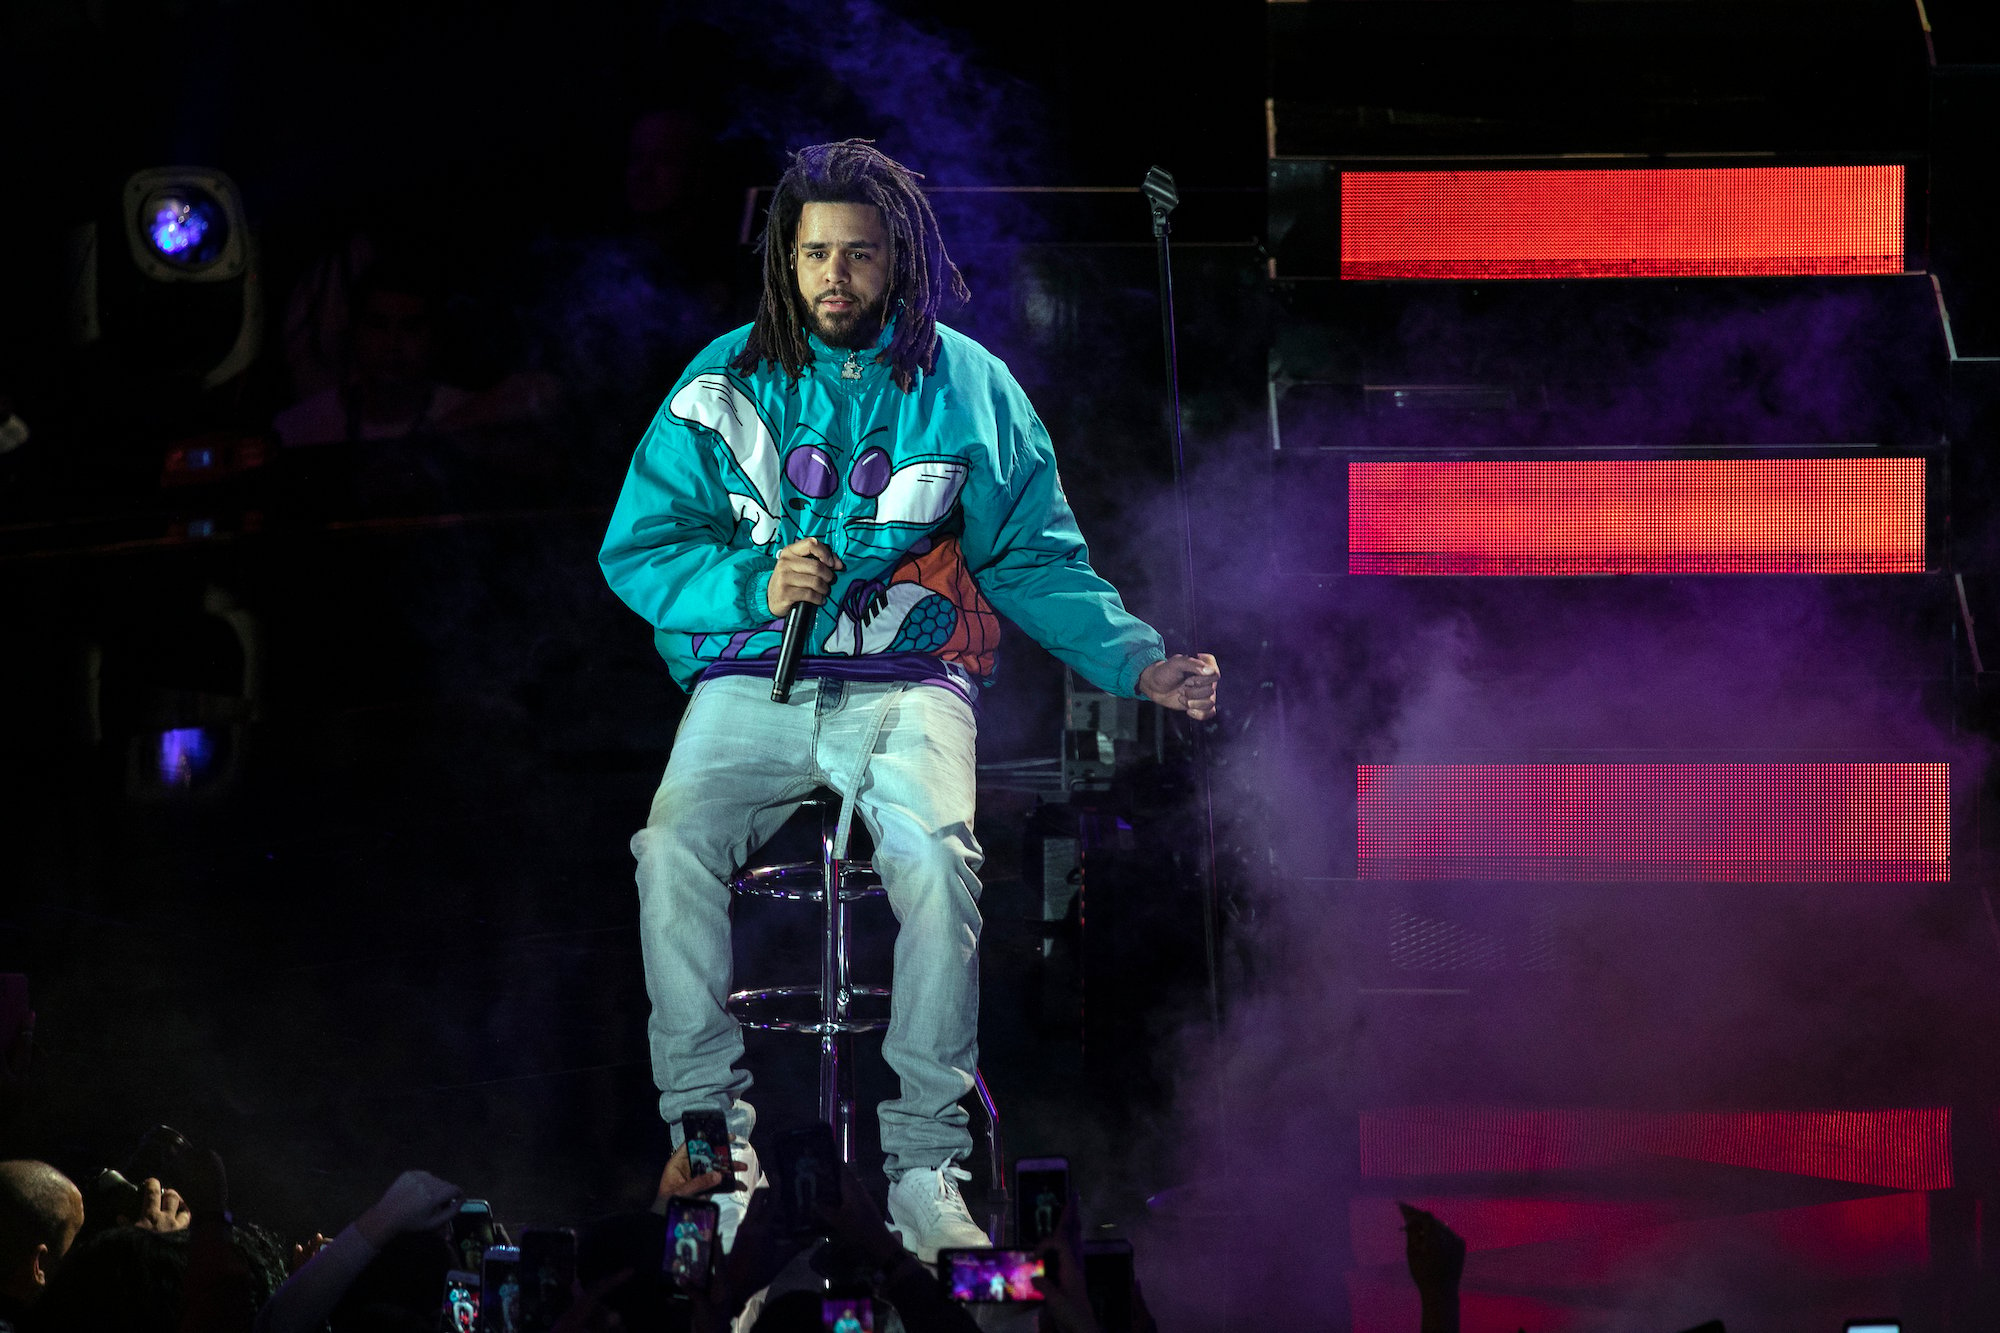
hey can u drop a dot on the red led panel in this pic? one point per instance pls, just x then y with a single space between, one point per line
1702 823
1905 1149
1637 516
1856 1252
1572 1242
1621 223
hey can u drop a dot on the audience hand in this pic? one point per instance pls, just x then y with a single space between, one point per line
1065 1297
1436 1252
414 1201
676 1183
301 1253
160 1209
1437 1261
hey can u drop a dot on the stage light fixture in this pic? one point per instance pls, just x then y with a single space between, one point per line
178 306
185 224
203 678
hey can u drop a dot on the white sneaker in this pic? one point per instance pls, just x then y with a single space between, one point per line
928 1214
732 1204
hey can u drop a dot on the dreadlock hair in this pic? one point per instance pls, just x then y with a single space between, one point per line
921 274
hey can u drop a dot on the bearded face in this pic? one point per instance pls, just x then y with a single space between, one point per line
841 260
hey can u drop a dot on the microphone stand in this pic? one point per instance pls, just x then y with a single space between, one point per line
1162 195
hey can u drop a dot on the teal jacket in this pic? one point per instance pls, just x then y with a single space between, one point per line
943 502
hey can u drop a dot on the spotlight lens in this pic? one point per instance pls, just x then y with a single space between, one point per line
183 226
177 226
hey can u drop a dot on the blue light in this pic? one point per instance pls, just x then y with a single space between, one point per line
179 225
185 756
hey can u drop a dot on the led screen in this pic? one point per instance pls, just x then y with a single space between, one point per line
1621 222
1636 516
1900 1148
1814 823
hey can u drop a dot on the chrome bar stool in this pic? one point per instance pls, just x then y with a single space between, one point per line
833 882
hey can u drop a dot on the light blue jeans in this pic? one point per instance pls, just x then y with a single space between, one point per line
903 754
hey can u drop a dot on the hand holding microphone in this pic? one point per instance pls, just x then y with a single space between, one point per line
800 582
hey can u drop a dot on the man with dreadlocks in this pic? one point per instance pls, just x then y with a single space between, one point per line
847 451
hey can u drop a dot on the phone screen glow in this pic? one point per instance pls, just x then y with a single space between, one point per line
1044 1194
848 1314
461 1307
690 1233
995 1275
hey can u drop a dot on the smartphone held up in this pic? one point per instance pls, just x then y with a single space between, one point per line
461 1302
990 1276
500 1290
808 1177
689 1256
706 1136
547 1277
472 1233
1041 1193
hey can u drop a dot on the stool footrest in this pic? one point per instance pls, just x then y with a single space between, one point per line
747 1006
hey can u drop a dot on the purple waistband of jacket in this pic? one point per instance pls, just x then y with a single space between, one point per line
917 668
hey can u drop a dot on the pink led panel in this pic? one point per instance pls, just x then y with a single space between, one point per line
1637 516
1703 823
1621 222
1905 1148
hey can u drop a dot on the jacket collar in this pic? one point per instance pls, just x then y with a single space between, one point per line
828 360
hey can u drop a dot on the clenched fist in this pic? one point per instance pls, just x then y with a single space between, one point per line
1185 684
804 574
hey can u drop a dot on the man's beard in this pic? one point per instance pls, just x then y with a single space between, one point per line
854 329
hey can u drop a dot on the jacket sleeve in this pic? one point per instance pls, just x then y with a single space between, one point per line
671 553
1027 555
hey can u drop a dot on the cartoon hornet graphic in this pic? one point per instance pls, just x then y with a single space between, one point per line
928 604
717 403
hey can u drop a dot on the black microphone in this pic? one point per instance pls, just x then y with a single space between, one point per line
789 649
